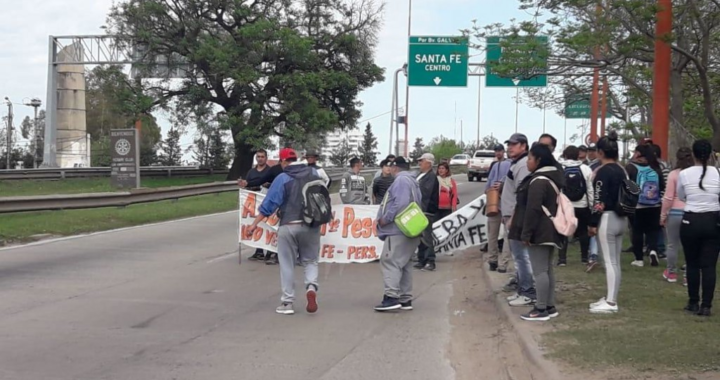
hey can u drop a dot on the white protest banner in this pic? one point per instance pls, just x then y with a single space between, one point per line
351 237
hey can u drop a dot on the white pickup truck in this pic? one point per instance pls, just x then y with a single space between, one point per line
479 164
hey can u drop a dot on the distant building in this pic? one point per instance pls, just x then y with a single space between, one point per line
334 139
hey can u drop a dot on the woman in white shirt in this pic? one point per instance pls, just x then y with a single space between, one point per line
699 187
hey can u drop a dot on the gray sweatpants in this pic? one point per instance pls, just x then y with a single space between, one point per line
494 254
610 240
397 267
541 260
297 240
672 227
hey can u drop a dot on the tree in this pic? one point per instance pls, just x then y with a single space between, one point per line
172 153
418 149
217 151
341 155
367 149
488 143
277 67
113 101
443 148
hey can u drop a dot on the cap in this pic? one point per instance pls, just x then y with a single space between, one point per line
312 153
499 148
401 162
426 157
287 153
517 138
583 148
592 147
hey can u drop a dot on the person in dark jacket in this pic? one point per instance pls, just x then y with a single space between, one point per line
255 180
535 229
646 221
382 183
430 188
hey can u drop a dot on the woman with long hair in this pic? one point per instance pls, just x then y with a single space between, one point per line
699 187
607 222
536 230
645 170
448 201
672 212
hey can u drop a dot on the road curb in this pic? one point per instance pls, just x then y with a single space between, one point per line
529 345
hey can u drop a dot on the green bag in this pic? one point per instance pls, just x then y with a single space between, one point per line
412 220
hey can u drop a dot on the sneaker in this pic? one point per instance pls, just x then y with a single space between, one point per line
584 261
406 305
522 301
704 312
415 258
562 263
512 297
685 281
654 261
493 266
590 266
552 312
257 256
662 255
536 315
692 308
604 308
670 276
285 309
388 303
419 266
595 304
271 259
429 267
502 270
638 263
311 295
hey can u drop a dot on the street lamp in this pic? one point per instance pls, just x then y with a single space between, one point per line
8 149
36 103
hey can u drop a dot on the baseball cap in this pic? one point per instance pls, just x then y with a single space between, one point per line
499 148
517 138
592 147
312 153
287 153
583 148
426 157
401 162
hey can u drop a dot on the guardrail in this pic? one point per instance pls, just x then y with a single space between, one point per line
121 199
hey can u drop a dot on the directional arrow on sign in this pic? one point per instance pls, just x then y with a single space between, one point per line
516 81
437 81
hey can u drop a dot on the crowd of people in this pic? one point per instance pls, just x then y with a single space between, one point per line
662 208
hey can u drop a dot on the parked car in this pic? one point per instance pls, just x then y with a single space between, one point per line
479 164
460 159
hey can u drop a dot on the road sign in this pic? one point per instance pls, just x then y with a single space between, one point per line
578 107
438 61
532 77
125 153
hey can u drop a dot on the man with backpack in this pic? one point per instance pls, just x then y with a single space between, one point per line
303 204
579 190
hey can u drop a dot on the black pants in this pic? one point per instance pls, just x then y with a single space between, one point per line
426 249
583 217
646 225
700 237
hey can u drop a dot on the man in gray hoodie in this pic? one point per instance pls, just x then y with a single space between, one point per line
517 151
353 190
398 249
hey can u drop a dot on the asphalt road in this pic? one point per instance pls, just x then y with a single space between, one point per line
169 301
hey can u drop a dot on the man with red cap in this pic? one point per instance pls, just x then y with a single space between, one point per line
295 239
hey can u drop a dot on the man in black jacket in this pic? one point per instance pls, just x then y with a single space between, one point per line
430 189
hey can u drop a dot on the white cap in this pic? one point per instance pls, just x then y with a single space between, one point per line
427 157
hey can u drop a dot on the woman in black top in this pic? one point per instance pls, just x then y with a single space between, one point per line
605 222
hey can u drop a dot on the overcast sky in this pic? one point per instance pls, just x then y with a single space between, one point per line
26 25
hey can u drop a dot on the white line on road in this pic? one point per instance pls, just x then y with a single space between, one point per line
221 258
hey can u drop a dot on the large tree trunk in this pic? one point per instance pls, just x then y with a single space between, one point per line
243 158
678 137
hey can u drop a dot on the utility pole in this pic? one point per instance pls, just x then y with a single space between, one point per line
36 103
517 107
661 76
407 83
8 150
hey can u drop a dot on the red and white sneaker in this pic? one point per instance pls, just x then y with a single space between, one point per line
312 305
670 276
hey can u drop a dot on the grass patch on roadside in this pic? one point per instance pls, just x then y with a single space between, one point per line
91 185
20 227
651 333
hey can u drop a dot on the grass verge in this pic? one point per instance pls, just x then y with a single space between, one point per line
651 333
21 226
90 185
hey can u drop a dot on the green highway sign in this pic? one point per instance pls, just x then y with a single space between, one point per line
578 107
532 77
438 61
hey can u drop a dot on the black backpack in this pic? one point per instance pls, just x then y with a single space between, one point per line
628 196
575 186
316 203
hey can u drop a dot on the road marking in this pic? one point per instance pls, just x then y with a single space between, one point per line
221 258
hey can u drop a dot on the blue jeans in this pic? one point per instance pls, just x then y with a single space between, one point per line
593 249
523 269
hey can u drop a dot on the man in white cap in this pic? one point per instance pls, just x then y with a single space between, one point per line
430 189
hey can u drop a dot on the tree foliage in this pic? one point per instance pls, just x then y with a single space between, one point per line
418 149
277 67
368 148
443 148
171 151
341 155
